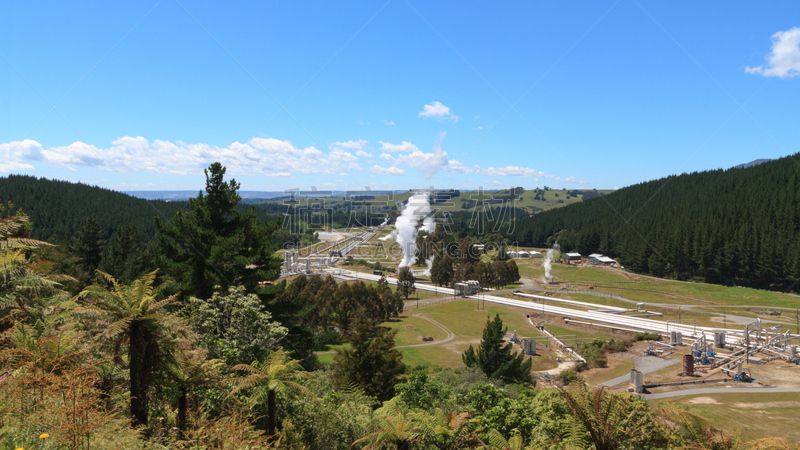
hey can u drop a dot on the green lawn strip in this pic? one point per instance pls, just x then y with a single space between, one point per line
685 316
786 316
654 290
326 358
543 361
334 347
599 301
559 331
583 274
759 419
598 376
433 356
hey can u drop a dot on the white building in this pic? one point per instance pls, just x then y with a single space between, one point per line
598 259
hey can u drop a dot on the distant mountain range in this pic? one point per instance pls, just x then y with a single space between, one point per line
751 164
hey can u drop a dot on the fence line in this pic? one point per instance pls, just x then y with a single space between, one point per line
577 291
409 306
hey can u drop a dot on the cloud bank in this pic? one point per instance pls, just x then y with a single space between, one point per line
784 60
259 156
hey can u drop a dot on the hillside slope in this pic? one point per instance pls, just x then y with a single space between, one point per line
732 226
57 208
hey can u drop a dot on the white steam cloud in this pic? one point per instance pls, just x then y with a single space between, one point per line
548 262
405 228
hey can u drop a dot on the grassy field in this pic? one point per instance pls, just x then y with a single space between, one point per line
463 319
549 199
653 290
754 415
617 367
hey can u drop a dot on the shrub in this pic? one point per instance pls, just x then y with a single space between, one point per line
646 337
569 376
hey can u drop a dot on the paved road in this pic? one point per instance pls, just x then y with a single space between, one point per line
644 364
721 390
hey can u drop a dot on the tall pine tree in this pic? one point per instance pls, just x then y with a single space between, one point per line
88 244
495 359
216 245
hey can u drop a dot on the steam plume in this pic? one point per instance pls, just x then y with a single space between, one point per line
405 228
548 262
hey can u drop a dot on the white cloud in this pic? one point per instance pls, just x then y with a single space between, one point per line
784 61
14 166
342 156
349 145
361 122
438 111
388 122
401 147
363 154
387 170
458 167
427 163
513 171
258 156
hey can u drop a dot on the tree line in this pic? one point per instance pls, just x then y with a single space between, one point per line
735 226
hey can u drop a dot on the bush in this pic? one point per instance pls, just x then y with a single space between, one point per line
568 377
595 352
646 337
326 338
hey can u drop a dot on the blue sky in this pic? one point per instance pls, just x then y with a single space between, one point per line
397 94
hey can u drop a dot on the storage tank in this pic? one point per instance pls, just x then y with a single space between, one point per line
637 380
722 339
688 365
678 338
529 347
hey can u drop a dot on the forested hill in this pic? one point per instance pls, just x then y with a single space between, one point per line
57 208
728 226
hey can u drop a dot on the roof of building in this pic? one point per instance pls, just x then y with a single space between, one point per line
573 254
606 259
595 255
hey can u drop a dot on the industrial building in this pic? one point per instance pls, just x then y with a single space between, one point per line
467 288
598 259
570 257
524 254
